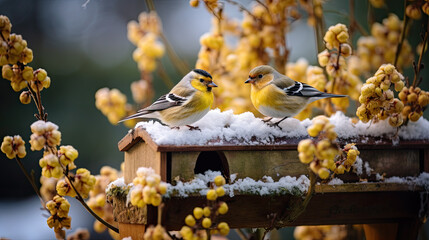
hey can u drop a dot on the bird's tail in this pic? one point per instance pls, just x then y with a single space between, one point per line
325 95
330 95
142 114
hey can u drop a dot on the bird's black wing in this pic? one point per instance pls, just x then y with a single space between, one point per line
305 90
165 101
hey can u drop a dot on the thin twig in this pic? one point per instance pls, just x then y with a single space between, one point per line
402 37
82 201
31 180
164 76
178 63
417 81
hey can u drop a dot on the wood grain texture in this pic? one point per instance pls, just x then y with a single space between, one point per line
280 163
142 155
136 231
348 205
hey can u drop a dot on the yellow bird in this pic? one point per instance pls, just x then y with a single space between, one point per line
278 96
186 103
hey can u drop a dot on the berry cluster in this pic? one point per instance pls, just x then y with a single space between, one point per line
343 80
59 219
148 188
260 39
13 48
377 100
205 218
381 46
83 181
144 34
44 134
324 154
13 147
97 198
112 103
415 101
155 233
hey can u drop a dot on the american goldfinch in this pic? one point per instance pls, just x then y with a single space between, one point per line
185 104
277 96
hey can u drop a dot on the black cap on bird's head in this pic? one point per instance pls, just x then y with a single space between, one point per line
202 72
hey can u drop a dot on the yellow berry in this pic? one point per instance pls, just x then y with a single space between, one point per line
414 116
194 3
423 100
412 97
223 208
304 158
25 97
306 146
223 228
198 212
219 180
340 169
220 191
211 195
190 221
323 173
207 223
186 232
313 131
207 211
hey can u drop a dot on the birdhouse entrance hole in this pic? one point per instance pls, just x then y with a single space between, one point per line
214 161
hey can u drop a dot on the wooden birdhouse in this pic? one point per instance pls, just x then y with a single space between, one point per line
397 206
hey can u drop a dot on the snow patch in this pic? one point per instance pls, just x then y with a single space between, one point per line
117 183
219 127
266 186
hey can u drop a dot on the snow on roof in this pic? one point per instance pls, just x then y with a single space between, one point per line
218 127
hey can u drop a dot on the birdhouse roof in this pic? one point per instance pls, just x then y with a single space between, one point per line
227 131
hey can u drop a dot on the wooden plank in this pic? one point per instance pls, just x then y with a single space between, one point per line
135 231
393 162
375 203
141 155
279 163
257 164
324 209
135 136
366 187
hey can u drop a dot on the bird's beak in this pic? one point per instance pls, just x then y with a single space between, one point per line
211 84
250 80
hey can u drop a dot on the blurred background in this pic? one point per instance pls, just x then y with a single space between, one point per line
86 48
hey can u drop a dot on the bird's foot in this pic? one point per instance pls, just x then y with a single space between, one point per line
276 124
267 120
191 128
175 128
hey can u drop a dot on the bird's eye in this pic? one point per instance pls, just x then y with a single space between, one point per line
260 76
201 80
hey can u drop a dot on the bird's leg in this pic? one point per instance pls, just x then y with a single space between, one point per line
193 128
267 120
277 123
175 128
